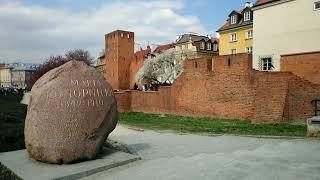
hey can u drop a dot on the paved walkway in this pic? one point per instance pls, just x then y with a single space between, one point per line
173 156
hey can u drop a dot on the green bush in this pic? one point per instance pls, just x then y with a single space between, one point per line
12 116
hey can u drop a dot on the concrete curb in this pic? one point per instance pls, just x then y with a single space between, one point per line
24 167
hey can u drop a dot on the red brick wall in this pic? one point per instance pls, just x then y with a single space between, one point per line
270 92
236 63
153 101
214 94
301 93
262 97
135 66
199 64
305 65
123 100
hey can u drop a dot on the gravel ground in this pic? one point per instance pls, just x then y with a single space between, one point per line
174 156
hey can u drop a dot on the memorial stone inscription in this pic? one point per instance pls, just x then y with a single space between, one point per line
71 113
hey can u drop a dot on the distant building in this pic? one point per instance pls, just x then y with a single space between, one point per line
21 75
204 46
284 27
5 76
237 33
17 75
101 64
162 48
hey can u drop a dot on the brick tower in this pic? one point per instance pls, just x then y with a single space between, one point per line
119 47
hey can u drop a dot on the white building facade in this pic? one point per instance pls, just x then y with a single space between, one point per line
284 27
5 76
17 75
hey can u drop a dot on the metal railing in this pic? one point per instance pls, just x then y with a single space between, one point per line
316 104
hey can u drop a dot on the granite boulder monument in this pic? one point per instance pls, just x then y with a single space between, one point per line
72 111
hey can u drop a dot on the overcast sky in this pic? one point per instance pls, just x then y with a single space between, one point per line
31 30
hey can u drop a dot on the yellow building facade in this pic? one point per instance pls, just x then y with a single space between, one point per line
243 44
236 35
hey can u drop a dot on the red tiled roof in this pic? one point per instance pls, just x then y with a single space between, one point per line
143 52
215 39
162 48
261 2
227 26
2 65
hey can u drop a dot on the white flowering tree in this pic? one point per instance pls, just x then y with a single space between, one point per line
165 67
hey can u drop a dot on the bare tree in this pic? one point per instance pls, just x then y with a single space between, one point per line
79 55
56 61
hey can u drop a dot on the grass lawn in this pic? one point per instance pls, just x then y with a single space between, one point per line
12 115
208 125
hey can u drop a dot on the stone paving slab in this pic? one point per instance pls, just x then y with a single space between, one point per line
27 168
173 156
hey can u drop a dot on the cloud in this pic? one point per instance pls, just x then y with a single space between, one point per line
30 33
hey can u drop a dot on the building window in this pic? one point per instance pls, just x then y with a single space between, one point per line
250 34
202 44
317 5
215 47
128 36
233 51
266 64
249 50
247 16
233 19
121 34
209 46
196 65
233 37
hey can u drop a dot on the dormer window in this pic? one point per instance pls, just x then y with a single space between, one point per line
202 45
209 46
247 16
233 19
